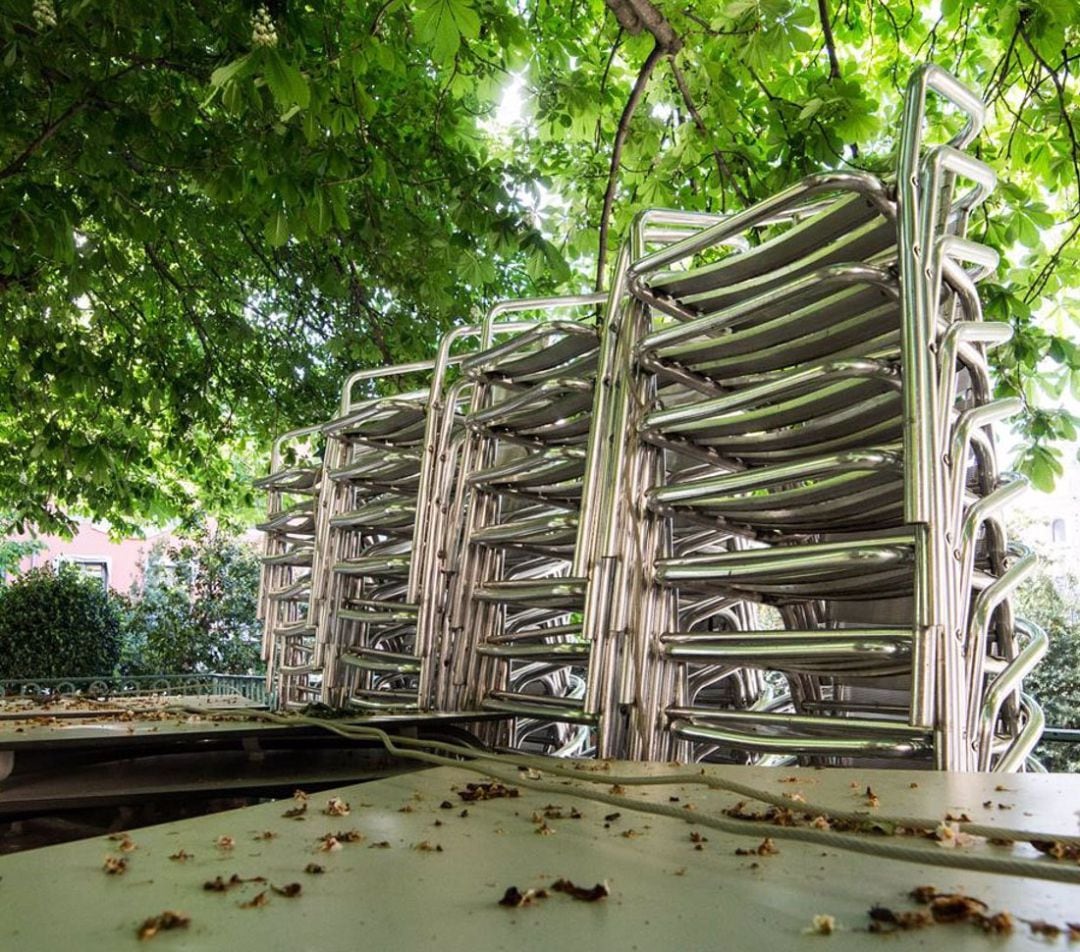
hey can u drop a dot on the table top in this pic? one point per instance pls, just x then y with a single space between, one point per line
430 869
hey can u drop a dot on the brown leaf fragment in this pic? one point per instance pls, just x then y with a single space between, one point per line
1042 927
765 848
446 805
673 799
1074 931
464 813
314 869
575 813
543 829
513 898
617 789
1000 923
295 813
957 817
923 894
956 907
265 835
289 890
123 842
225 843
115 865
221 885
883 919
180 856
871 797
487 791
349 836
696 837
788 780
599 891
257 901
426 846
987 804
997 841
407 808
163 922
630 834
381 845
1057 850
612 817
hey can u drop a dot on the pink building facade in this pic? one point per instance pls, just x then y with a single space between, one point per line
117 564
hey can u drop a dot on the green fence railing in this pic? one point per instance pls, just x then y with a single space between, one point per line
250 686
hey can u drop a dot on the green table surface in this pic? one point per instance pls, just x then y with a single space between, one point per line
664 892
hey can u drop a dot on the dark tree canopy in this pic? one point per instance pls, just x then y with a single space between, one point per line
208 221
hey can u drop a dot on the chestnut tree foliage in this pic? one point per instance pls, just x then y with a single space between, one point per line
213 211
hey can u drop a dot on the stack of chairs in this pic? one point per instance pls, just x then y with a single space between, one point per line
364 603
822 401
751 515
289 646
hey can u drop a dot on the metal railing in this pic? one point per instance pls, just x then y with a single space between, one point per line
250 686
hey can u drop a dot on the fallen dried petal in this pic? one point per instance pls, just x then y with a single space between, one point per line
115 865
289 890
335 806
822 925
162 923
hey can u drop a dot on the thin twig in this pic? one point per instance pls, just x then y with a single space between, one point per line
721 164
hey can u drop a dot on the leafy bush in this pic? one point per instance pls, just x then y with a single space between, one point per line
1052 600
195 609
57 624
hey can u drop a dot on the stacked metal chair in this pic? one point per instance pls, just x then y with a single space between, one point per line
784 413
531 626
799 400
289 633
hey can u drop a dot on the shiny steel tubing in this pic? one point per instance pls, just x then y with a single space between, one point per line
899 744
834 275
975 645
868 186
1005 684
677 418
1019 751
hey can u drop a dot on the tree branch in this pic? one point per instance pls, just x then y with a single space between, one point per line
721 164
1047 269
636 95
1066 118
830 41
636 15
44 136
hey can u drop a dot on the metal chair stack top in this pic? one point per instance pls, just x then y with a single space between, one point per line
782 413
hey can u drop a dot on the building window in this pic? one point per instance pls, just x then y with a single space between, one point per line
94 566
1057 530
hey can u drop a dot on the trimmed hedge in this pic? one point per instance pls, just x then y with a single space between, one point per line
57 624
